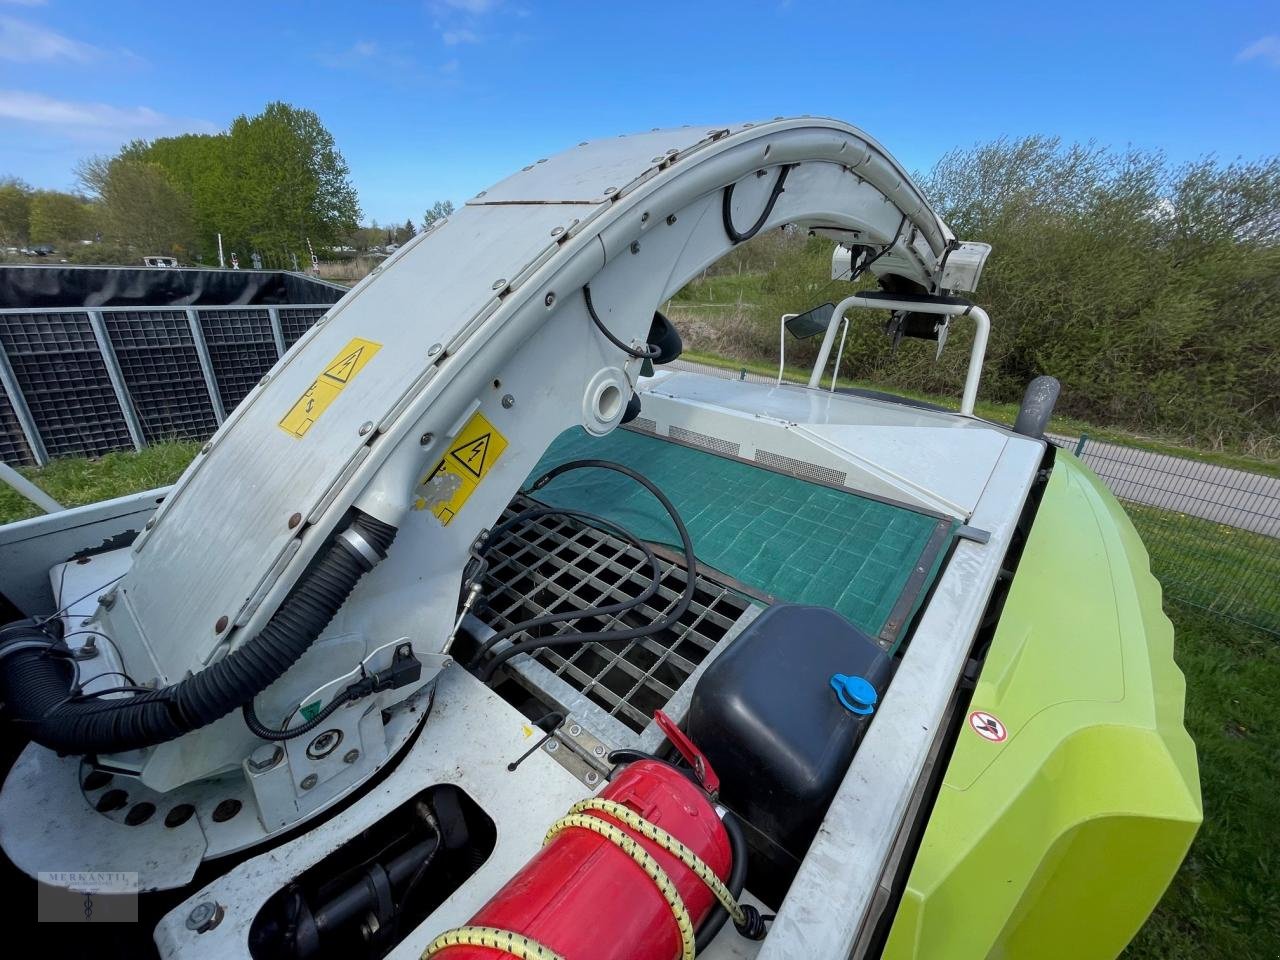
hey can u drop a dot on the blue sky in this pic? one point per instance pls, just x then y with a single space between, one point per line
432 99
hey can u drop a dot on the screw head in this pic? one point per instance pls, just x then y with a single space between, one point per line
635 246
266 756
204 916
295 520
598 751
433 349
552 746
426 438
549 299
508 401
221 624
574 730
592 777
351 756
610 191
499 283
309 781
671 220
556 231
265 378
206 448
365 428
149 524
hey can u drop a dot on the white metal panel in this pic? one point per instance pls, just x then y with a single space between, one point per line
236 501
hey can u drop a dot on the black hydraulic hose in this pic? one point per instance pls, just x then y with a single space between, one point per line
35 687
621 606
650 350
726 208
611 636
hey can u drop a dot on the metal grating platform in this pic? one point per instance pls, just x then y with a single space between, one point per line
161 369
555 564
59 369
242 347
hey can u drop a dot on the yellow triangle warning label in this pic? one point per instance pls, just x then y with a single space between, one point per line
345 367
472 455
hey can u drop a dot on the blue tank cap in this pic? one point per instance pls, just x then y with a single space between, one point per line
855 693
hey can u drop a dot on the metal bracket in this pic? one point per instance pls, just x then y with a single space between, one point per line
976 534
580 752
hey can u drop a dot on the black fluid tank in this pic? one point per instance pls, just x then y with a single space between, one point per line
775 730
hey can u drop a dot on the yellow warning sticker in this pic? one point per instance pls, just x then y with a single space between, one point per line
340 371
469 459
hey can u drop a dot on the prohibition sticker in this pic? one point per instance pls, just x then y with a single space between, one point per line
988 727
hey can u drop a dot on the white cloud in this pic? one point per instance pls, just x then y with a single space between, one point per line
93 121
454 37
22 42
1266 49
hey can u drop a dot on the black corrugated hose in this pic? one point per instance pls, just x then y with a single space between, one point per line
36 682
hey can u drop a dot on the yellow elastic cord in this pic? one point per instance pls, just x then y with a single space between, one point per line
669 843
644 860
513 944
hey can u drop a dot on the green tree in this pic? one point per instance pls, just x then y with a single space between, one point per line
58 217
15 211
140 206
437 211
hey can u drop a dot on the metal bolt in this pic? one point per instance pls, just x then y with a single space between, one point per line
549 299
599 751
556 231
657 159
149 524
433 349
309 781
295 520
635 246
499 283
221 624
553 746
508 401
644 217
351 756
265 378
574 730
365 428
610 191
592 777
426 438
204 916
671 220
206 448
266 756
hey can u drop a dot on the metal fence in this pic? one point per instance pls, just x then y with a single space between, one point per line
1213 532
84 382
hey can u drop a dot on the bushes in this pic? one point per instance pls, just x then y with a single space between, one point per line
1151 292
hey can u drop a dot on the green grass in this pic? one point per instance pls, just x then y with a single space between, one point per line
1225 901
77 480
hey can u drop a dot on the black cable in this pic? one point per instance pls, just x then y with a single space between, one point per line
580 614
650 350
735 883
885 249
259 729
611 636
726 208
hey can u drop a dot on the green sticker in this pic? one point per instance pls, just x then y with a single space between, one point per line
310 710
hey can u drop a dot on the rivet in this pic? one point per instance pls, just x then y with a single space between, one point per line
265 378
481 194
549 299
351 756
499 283
657 159
635 246
295 520
556 231
365 428
206 448
644 217
309 781
149 524
221 624
610 191
433 349
426 438
508 401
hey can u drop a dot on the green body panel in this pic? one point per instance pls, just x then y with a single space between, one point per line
1059 840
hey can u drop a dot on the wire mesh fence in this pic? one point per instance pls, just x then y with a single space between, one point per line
1213 532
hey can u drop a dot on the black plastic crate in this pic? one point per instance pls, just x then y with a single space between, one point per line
13 443
295 321
61 374
242 347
